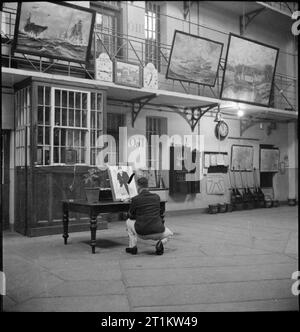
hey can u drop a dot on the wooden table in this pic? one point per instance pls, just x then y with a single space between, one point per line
93 209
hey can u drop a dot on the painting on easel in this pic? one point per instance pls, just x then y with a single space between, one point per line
119 177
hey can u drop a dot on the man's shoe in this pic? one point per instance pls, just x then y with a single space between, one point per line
159 248
132 251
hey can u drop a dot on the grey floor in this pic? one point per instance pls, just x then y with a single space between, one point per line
239 261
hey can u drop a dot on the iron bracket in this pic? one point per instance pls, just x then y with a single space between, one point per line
138 104
249 17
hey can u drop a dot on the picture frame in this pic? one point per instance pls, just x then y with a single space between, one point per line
127 73
249 71
194 59
269 159
119 176
242 157
55 30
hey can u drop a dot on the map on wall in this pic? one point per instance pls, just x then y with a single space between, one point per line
269 160
241 157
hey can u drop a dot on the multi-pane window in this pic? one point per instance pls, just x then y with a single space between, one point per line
107 25
68 120
152 34
70 125
44 125
22 133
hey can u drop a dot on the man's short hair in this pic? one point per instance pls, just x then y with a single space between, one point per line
142 182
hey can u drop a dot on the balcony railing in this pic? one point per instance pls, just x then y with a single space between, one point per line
132 49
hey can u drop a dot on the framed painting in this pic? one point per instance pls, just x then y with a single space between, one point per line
242 157
269 160
128 74
121 189
194 59
249 71
54 30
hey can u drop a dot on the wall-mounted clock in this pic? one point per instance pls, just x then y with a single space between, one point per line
221 130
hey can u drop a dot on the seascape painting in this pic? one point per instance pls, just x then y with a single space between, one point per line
59 31
194 59
249 71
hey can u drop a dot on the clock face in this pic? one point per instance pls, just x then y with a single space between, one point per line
222 130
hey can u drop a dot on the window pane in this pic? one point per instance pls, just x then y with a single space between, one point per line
71 118
47 115
64 98
40 115
55 155
78 100
47 95
77 118
41 95
47 135
64 117
56 136
57 116
93 121
63 137
57 98
71 99
93 96
40 135
99 101
84 118
47 155
84 101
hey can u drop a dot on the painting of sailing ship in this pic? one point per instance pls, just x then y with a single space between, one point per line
194 59
249 71
54 30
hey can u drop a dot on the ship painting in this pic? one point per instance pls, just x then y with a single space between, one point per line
59 31
194 59
33 29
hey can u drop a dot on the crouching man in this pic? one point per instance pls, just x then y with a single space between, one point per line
145 221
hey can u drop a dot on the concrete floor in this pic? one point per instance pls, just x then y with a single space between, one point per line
239 261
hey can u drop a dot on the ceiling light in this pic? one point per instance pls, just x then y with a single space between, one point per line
240 113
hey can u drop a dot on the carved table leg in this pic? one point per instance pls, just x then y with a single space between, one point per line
93 228
65 225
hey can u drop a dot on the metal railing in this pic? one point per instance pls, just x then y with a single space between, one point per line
132 49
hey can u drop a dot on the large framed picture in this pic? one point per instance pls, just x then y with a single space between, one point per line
194 59
121 189
269 160
241 157
249 71
128 74
54 30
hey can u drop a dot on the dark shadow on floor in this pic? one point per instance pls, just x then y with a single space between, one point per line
104 243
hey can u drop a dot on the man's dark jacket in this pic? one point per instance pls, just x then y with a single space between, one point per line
145 209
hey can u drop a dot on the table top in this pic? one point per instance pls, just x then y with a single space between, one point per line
86 203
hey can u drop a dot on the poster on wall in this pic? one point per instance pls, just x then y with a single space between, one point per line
194 59
128 74
249 71
150 76
119 176
54 30
241 157
269 160
104 68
